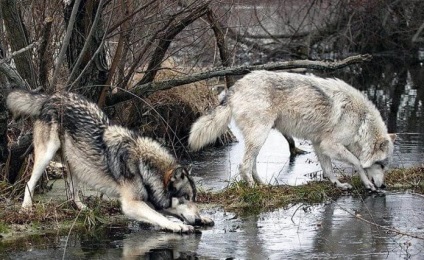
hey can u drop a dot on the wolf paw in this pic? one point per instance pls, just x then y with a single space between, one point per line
207 221
343 186
181 228
25 209
369 186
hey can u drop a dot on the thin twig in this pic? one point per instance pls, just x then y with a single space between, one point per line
390 229
13 54
69 234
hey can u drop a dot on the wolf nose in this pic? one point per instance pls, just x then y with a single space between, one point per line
198 222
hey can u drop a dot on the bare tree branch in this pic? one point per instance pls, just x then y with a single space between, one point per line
146 89
12 75
18 38
13 54
221 43
165 41
128 17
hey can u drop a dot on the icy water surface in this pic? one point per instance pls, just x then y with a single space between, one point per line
328 231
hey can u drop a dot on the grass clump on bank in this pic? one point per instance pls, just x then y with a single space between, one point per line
243 199
252 200
53 216
411 178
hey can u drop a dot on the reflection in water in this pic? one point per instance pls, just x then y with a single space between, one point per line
153 245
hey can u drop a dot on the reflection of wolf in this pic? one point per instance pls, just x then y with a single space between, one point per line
111 159
341 123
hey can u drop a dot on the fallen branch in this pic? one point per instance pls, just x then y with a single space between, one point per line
143 90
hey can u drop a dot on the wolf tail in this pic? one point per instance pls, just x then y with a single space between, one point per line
209 127
22 103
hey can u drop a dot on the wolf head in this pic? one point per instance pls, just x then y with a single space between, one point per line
377 161
188 212
183 194
180 184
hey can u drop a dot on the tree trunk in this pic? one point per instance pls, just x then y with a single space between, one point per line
221 44
3 124
18 39
93 63
3 113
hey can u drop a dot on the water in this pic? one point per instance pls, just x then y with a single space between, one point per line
393 226
328 231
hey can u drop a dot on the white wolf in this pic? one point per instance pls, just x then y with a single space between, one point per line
112 159
339 120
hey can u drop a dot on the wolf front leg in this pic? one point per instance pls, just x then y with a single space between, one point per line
327 168
339 152
140 211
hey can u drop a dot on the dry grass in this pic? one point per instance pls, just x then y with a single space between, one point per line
411 178
168 115
246 200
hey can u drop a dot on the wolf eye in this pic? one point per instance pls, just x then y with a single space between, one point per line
381 164
187 197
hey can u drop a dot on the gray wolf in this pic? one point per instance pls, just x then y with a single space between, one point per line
112 159
341 123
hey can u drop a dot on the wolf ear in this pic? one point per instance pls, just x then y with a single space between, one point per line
384 144
393 137
178 174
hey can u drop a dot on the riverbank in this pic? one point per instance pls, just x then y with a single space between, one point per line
58 216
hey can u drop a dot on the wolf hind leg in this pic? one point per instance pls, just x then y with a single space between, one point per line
46 143
294 150
74 191
254 139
